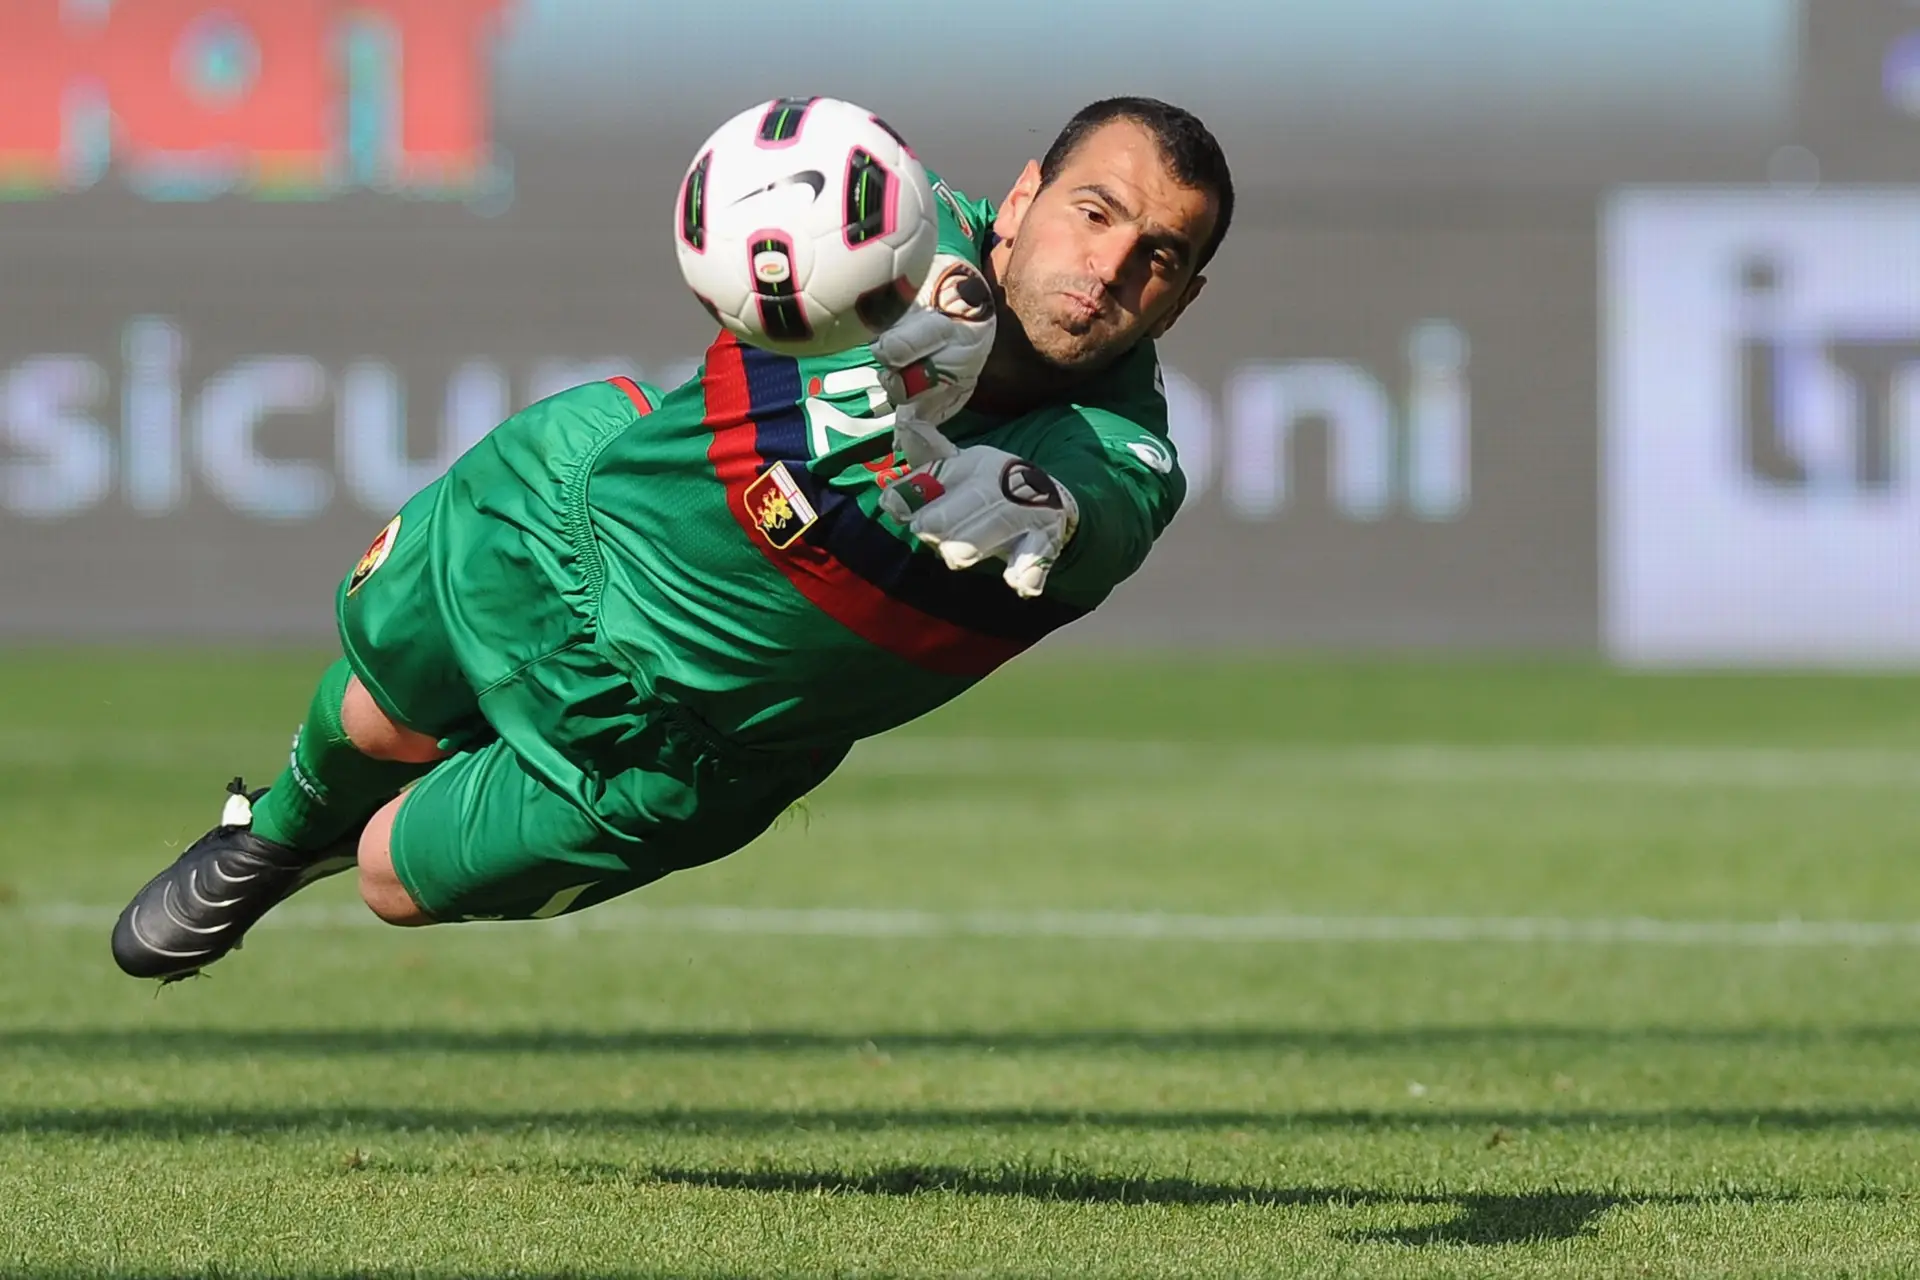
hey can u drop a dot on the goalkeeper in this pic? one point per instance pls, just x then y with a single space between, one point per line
628 629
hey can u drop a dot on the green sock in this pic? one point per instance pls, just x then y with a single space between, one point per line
329 787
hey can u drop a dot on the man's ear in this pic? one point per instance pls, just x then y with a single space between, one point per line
1013 210
1192 291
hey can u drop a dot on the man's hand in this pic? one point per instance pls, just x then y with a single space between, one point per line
972 504
931 357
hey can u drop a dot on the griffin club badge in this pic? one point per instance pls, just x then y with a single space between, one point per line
376 555
778 507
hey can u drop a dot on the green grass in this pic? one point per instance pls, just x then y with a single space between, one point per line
627 1094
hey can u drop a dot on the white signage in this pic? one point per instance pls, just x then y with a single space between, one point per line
1761 424
78 434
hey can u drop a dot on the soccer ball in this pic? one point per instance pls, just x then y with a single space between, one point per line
805 226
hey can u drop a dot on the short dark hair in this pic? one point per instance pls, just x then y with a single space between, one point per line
1191 151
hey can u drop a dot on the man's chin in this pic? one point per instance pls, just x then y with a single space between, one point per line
1075 356
1063 346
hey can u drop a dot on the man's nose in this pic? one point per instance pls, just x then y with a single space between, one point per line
1110 254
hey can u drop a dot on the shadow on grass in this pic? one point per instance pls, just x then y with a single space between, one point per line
125 1045
180 1122
1473 1218
1478 1219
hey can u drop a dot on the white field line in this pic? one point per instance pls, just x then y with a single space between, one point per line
1127 762
1439 763
1101 926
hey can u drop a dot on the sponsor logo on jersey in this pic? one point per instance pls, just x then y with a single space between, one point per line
954 207
779 507
1153 453
376 555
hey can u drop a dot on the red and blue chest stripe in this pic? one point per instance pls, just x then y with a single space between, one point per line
847 564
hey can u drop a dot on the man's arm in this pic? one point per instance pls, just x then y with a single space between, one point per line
1126 481
1073 512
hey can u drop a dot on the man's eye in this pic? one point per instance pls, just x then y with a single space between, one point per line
1093 214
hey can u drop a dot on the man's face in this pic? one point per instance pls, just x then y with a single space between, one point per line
1106 254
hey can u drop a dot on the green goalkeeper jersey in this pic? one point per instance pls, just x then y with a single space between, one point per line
744 568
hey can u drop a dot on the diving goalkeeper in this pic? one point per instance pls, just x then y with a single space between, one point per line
627 629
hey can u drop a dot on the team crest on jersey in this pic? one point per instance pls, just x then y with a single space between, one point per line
954 207
778 507
376 555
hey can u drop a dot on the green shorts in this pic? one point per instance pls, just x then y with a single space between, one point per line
471 619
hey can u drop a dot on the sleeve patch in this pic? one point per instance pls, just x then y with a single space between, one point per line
1156 455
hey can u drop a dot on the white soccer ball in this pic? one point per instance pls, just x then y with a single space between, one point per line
805 226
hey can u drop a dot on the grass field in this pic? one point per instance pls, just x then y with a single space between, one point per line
1115 967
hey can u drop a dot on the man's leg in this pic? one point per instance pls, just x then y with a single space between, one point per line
380 887
474 581
482 838
349 758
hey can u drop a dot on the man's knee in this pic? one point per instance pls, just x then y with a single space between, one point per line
375 734
380 886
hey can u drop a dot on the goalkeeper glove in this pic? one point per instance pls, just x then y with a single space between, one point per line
980 502
932 356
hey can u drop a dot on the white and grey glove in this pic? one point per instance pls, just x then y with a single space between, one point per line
932 356
981 502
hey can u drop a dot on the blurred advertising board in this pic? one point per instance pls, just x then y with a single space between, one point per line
267 265
1763 408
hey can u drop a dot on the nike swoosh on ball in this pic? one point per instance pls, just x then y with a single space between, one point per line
810 177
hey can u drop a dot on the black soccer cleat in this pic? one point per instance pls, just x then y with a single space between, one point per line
198 909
